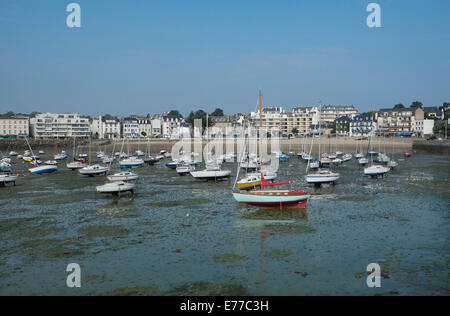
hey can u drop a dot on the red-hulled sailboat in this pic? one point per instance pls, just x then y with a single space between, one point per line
271 198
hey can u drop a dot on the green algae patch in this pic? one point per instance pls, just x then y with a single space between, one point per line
229 258
208 289
132 291
183 203
96 231
15 223
65 251
278 254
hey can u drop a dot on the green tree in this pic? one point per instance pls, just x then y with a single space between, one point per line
295 131
9 114
416 104
144 134
399 106
200 114
174 113
217 112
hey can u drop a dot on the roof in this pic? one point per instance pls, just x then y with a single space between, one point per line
343 119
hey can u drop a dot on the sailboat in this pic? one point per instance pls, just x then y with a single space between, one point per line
40 169
93 170
130 162
75 164
375 170
213 170
321 175
272 197
149 159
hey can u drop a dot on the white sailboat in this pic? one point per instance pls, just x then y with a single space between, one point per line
40 169
321 175
375 170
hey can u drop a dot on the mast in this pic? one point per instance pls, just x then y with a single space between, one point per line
260 134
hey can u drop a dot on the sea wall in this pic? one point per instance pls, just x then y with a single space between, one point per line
437 147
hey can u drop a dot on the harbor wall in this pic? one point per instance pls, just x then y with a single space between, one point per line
391 145
436 147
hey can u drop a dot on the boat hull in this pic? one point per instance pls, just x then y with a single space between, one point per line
43 169
273 198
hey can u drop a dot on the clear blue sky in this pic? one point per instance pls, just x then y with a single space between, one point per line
141 56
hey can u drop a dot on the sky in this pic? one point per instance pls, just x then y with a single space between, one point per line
144 56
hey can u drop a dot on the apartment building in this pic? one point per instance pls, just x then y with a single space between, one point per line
279 123
106 127
342 125
171 126
14 126
330 113
400 122
131 127
363 125
65 125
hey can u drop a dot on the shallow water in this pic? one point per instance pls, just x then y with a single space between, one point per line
178 236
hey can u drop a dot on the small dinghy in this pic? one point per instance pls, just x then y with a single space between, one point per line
116 188
123 176
51 162
184 168
13 153
172 165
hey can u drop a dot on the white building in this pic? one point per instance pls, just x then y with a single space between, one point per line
51 125
106 127
131 128
14 126
424 127
170 126
156 127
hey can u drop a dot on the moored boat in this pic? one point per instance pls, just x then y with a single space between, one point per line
123 176
93 170
116 187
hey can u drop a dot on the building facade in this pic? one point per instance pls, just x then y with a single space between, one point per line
14 126
424 127
342 125
330 113
130 127
106 127
363 125
66 125
400 122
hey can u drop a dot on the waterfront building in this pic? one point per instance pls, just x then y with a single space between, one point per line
131 127
342 126
362 125
433 112
14 126
171 126
330 113
401 122
65 125
106 127
424 127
